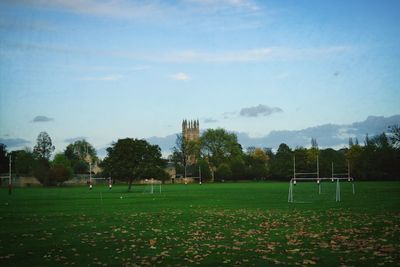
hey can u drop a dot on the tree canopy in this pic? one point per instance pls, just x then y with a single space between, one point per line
44 146
80 153
220 146
129 159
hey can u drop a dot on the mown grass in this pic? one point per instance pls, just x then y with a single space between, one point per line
233 224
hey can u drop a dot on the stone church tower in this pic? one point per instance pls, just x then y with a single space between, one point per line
191 130
191 133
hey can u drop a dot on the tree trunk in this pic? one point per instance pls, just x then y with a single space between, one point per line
130 184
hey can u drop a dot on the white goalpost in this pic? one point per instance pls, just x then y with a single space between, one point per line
152 186
297 177
100 180
7 179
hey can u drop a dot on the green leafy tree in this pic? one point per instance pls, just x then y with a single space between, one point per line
312 154
205 170
383 158
354 157
303 164
395 135
44 146
329 156
223 172
239 168
3 158
282 163
80 150
129 159
184 153
61 169
80 153
41 171
219 146
258 163
24 162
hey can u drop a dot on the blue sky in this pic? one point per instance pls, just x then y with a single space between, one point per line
105 70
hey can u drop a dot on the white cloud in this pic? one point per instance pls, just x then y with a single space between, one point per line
261 54
217 57
180 77
125 9
247 5
102 78
116 9
248 55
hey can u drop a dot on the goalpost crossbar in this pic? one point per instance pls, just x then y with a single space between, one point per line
335 176
152 183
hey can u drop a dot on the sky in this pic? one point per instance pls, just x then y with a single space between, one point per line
104 70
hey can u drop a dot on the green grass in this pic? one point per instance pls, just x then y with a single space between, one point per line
248 224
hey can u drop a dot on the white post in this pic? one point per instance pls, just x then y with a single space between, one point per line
199 174
9 176
90 172
319 187
337 190
290 195
319 182
152 183
185 170
9 170
348 170
294 166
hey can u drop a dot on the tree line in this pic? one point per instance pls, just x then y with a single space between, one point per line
218 157
38 163
127 160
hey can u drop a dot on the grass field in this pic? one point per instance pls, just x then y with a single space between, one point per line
236 224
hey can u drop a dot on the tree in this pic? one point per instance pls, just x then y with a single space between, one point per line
24 162
219 146
130 159
238 168
395 135
205 169
312 154
329 156
257 163
353 155
282 163
223 172
3 159
41 171
185 154
44 147
180 153
80 150
303 161
60 169
80 153
351 143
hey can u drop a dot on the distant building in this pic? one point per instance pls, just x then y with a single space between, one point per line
191 130
191 133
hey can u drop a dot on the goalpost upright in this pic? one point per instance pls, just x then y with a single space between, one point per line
9 175
151 183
